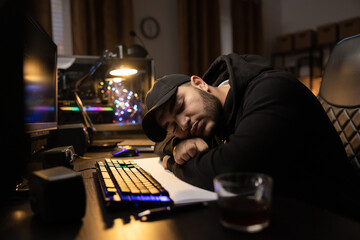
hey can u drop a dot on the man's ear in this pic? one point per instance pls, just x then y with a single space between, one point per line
198 82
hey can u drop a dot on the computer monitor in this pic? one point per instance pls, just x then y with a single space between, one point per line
28 93
40 80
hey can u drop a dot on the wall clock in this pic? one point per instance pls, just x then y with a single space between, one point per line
150 28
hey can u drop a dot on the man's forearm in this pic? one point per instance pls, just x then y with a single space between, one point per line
166 146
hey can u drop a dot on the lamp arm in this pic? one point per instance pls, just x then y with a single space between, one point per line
90 73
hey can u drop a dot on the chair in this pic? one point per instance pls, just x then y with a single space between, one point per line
340 95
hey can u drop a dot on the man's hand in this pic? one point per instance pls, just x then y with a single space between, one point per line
164 161
187 149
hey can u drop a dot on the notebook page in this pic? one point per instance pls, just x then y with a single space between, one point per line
180 191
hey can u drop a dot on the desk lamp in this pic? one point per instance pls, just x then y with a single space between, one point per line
116 69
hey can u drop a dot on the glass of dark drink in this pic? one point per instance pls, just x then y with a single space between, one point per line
244 200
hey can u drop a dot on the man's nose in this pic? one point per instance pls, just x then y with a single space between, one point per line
183 122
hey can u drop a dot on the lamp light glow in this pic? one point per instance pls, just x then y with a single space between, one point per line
117 80
123 72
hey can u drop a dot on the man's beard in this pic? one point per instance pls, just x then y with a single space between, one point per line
212 107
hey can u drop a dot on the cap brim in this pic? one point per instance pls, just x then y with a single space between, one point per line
151 128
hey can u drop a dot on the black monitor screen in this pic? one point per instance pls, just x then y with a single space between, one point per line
40 79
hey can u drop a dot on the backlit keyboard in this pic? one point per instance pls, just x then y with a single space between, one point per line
125 184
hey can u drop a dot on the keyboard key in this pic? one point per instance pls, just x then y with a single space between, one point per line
111 190
117 198
109 183
105 174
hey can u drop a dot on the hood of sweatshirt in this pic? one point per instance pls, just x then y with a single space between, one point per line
240 70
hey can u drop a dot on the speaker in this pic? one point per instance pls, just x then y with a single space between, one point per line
57 194
60 156
75 135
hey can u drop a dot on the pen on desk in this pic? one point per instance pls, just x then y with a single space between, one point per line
163 211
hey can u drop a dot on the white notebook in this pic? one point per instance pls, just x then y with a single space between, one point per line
180 191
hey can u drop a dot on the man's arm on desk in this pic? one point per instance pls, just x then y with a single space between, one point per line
165 147
183 151
176 159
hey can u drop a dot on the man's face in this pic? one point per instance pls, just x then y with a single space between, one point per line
191 112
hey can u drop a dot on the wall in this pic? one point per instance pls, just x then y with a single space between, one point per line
279 16
163 49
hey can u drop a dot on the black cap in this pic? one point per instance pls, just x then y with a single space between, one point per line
163 89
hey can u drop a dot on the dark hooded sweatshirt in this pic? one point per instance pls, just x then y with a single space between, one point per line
272 124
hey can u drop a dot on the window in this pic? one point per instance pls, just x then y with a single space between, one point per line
61 26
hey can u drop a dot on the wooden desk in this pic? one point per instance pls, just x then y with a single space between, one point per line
291 219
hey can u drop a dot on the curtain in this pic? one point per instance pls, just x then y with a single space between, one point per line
40 10
199 35
98 25
247 26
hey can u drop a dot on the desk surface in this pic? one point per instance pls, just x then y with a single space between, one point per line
291 219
